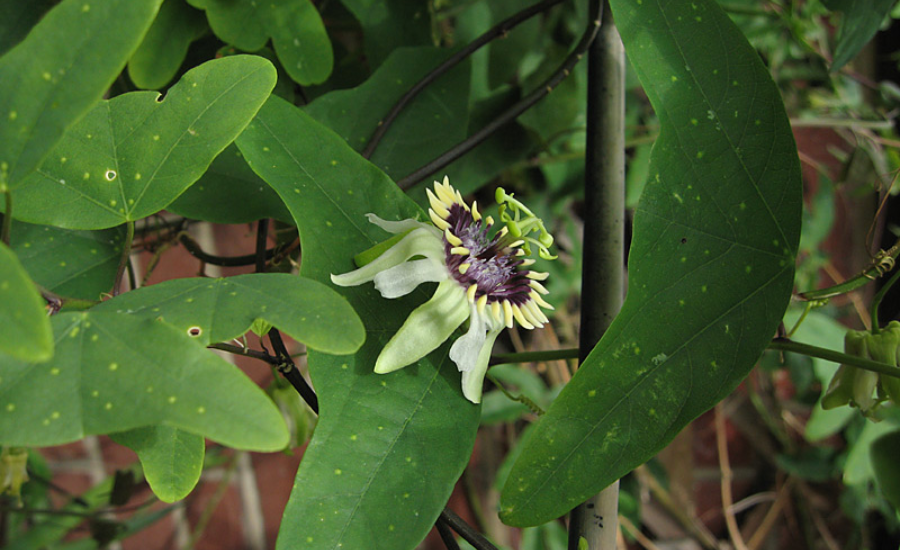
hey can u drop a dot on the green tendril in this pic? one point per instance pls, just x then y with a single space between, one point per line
520 226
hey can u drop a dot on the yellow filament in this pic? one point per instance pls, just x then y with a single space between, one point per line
444 193
438 222
459 251
495 311
482 302
451 238
539 287
537 311
470 293
534 313
460 200
540 301
475 214
439 207
507 314
517 313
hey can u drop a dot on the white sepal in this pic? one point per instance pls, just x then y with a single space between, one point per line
419 242
399 226
426 328
402 279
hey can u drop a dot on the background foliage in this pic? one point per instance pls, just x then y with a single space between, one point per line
126 125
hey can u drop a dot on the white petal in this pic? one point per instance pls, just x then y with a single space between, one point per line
465 350
473 380
472 351
425 328
397 227
402 279
419 242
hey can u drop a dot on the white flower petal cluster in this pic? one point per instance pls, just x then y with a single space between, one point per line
482 279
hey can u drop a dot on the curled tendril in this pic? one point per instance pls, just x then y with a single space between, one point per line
520 226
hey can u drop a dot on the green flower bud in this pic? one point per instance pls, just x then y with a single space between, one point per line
857 387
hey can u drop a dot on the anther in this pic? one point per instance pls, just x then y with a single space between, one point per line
459 251
517 313
439 207
538 286
507 314
482 302
451 238
463 268
470 293
540 301
496 312
438 222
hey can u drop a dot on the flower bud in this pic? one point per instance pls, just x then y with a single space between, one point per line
860 388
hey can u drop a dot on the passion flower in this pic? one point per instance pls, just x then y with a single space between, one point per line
482 278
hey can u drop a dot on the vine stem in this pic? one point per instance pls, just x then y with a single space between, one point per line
783 344
514 111
125 258
285 363
534 356
725 484
879 296
603 273
473 537
497 31
196 251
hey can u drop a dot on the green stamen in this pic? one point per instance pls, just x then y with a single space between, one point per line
519 227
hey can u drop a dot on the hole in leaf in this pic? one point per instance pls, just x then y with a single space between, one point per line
194 331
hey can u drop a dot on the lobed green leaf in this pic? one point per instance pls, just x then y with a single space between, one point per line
428 126
115 372
133 155
297 31
389 25
387 449
26 333
72 264
861 21
230 192
160 55
172 459
217 310
710 269
59 71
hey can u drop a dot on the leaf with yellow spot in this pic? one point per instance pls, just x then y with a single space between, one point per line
711 264
60 70
222 309
115 372
295 27
26 331
406 457
133 155
172 459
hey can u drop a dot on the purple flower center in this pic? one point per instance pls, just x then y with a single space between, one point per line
493 265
